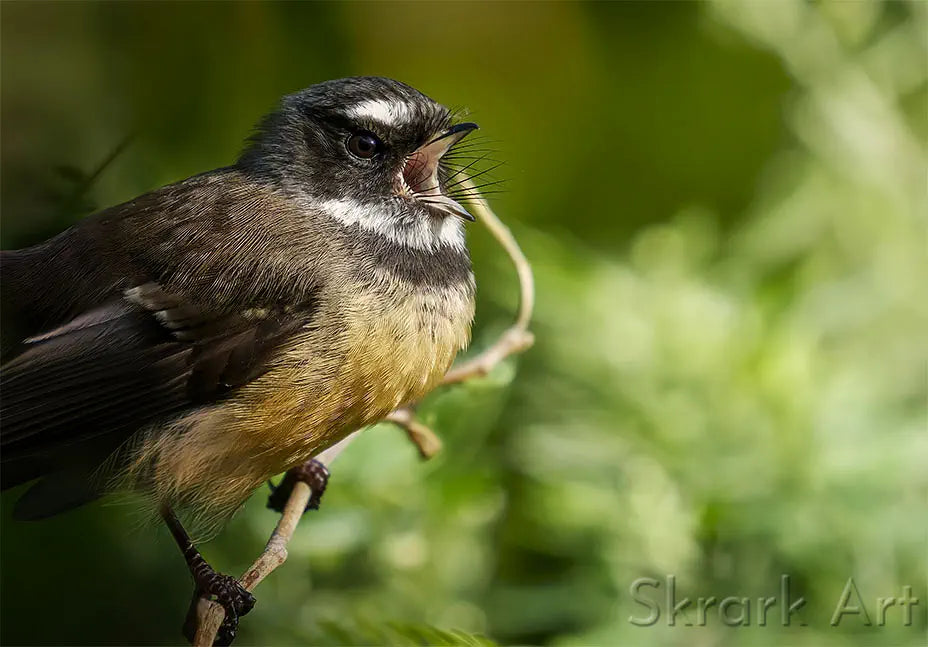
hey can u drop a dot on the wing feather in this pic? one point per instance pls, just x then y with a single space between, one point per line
128 365
142 312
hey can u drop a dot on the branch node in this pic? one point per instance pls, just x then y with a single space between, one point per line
425 440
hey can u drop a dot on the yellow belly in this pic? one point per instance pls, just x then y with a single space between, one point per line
387 350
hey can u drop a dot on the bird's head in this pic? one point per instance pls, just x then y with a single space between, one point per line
364 148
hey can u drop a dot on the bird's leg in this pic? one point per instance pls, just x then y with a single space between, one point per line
235 600
313 473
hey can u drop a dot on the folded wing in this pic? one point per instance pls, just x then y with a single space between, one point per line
80 391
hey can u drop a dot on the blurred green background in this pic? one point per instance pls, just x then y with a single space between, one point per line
725 207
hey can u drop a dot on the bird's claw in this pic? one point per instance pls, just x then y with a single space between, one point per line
226 591
234 599
313 473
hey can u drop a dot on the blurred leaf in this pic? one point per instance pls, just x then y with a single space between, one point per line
395 634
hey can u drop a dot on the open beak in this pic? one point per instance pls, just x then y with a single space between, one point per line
419 177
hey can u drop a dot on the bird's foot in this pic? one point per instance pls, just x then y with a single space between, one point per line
225 590
234 599
312 472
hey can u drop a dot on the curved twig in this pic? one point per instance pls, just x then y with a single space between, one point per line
517 337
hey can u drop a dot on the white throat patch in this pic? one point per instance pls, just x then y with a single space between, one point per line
386 112
418 233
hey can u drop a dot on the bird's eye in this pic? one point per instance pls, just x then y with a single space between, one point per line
364 145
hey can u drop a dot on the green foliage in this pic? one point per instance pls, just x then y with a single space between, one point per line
724 204
399 635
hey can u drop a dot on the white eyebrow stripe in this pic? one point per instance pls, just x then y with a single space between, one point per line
424 234
381 110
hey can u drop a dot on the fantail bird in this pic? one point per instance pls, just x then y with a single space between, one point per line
199 339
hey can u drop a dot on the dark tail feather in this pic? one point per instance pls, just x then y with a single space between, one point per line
13 323
47 285
19 471
55 494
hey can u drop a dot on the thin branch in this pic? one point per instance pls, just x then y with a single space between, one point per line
70 203
210 614
425 440
517 338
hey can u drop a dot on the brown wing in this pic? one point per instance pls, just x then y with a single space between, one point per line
140 313
79 391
